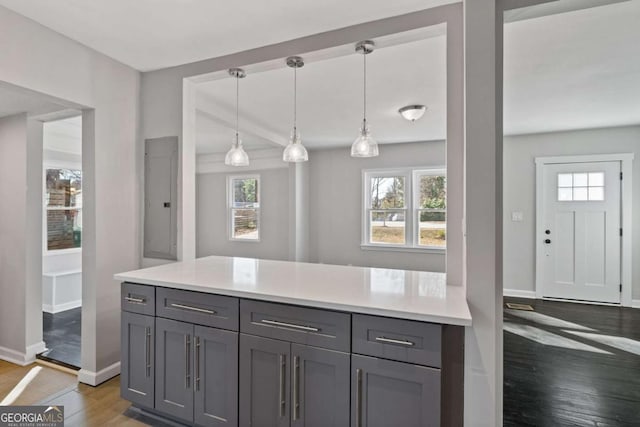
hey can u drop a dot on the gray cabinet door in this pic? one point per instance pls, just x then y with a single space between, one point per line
137 370
386 393
320 387
264 382
216 377
174 378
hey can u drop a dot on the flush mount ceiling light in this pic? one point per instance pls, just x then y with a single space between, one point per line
364 145
236 156
295 151
412 112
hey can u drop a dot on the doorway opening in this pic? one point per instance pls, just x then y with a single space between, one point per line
62 241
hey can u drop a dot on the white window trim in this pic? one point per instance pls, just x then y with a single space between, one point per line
411 219
229 207
55 165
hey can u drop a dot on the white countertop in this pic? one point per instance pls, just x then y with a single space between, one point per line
405 294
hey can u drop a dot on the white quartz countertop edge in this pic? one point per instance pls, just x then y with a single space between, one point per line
461 319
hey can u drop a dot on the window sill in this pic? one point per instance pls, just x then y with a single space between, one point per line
62 251
430 250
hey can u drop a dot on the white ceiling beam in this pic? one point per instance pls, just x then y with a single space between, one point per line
213 111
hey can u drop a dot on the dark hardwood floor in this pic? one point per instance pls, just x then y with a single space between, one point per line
569 364
61 334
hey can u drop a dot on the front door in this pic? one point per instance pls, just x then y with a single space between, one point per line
580 232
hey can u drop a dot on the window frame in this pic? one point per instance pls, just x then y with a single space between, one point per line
45 209
411 208
230 208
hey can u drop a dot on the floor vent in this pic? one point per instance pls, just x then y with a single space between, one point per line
514 306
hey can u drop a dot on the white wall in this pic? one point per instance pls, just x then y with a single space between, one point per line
108 92
335 186
519 192
212 218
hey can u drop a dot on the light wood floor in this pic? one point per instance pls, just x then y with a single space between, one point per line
83 405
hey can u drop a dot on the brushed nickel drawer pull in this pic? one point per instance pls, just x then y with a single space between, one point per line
147 351
188 307
135 300
392 341
296 388
197 364
358 397
282 386
187 361
290 325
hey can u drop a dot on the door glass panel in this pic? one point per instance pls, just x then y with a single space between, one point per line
580 194
565 194
580 180
596 193
596 179
565 180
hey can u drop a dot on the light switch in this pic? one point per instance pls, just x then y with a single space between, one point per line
517 216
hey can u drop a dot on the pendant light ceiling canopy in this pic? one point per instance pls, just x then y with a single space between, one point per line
294 151
236 156
364 145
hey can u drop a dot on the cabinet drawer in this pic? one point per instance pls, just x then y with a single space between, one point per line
319 328
138 299
197 307
396 339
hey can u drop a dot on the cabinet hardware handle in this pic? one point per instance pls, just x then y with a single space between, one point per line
290 325
392 341
296 388
135 300
188 307
187 362
358 397
197 363
283 367
147 351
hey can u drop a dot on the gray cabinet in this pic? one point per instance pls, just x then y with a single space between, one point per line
264 382
388 393
174 370
216 377
197 373
320 391
137 370
284 384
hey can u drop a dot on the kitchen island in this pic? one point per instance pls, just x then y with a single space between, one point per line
239 341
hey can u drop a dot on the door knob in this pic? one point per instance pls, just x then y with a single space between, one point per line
547 241
167 204
547 231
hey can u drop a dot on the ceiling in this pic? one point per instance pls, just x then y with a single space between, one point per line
330 100
153 34
13 101
575 70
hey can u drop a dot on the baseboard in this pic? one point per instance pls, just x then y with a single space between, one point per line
22 359
516 293
635 303
57 308
96 378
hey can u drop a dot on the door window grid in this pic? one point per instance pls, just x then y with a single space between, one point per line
581 186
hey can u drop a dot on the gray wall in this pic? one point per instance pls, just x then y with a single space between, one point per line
108 92
211 216
519 192
335 189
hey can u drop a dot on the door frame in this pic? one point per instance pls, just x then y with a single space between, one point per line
626 197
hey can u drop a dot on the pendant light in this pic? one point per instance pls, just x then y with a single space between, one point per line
295 151
364 145
236 156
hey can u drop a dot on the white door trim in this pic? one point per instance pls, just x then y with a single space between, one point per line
626 193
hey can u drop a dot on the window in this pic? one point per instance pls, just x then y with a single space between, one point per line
63 206
580 187
244 207
405 208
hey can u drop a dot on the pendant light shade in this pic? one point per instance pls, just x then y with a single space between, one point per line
364 145
236 156
294 151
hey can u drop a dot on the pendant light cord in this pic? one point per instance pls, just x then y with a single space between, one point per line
295 99
237 107
364 54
